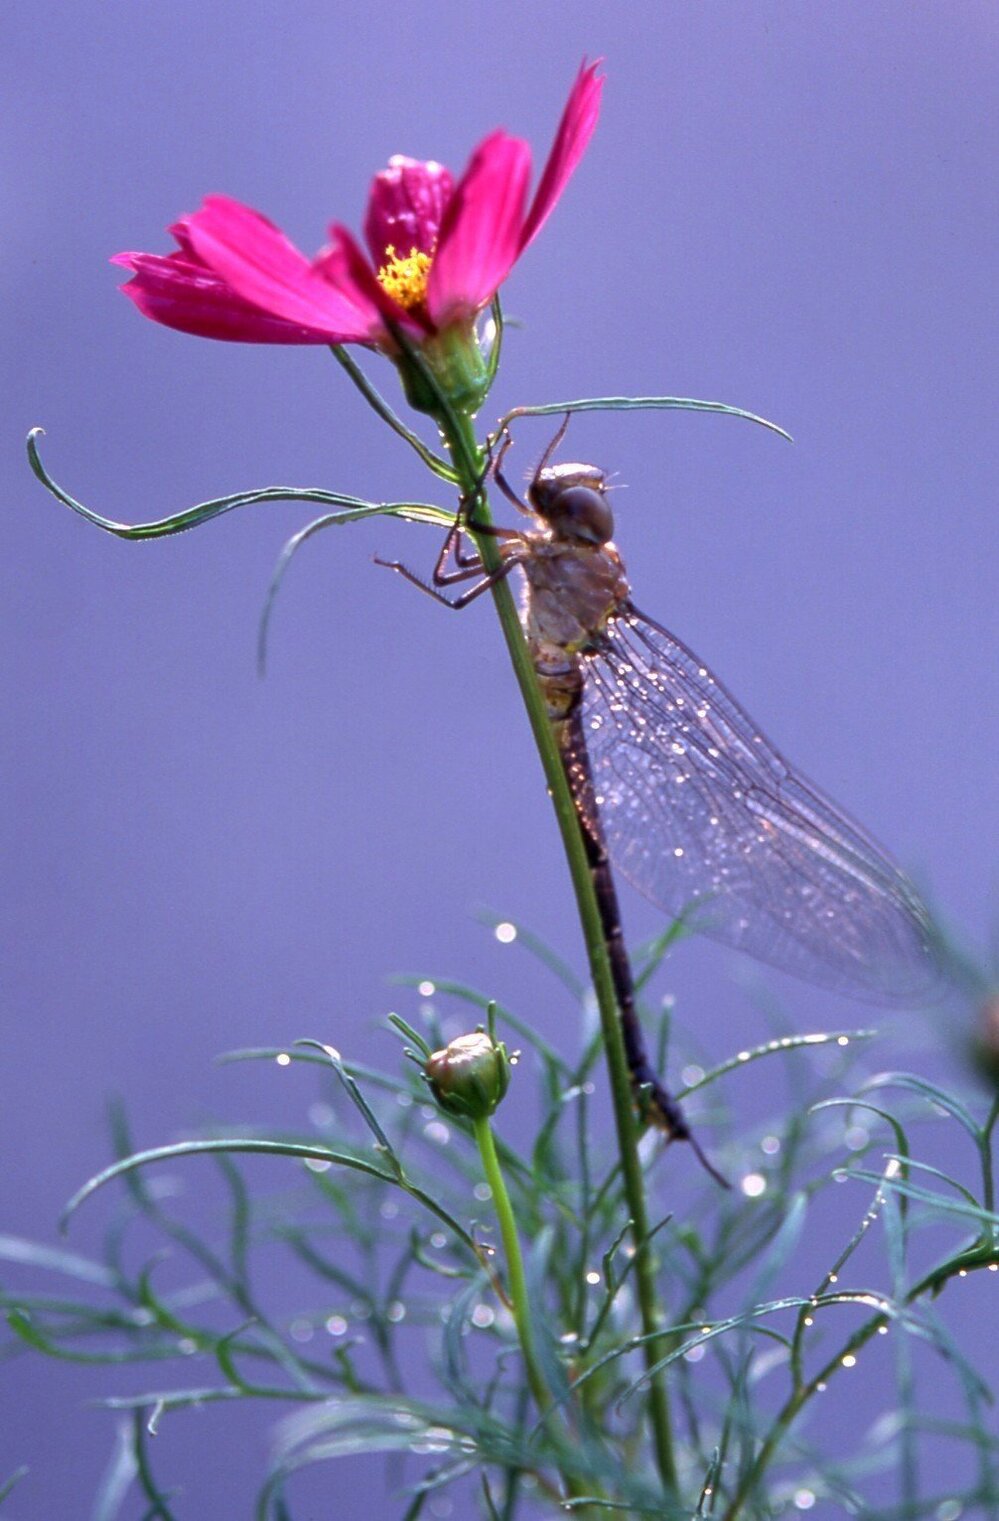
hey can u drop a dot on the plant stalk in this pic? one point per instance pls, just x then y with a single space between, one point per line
470 462
519 1300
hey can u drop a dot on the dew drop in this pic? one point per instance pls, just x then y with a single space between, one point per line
336 1325
438 1241
482 1191
396 1312
505 933
283 1059
849 1361
753 1185
693 1354
691 1075
427 989
301 1330
593 1278
483 1315
770 1145
804 1499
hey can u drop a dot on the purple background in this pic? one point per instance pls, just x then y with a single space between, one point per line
790 208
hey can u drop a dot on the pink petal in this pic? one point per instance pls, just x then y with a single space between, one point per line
481 229
259 263
182 293
405 207
574 132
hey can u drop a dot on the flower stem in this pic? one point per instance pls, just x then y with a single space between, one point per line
469 461
514 1261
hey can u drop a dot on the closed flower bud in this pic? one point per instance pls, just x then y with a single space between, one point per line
469 1076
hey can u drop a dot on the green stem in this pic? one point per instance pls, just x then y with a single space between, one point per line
514 1261
470 463
519 1298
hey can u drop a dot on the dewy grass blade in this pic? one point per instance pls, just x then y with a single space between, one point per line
774 1048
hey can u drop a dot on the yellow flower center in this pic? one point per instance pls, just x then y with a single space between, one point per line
404 276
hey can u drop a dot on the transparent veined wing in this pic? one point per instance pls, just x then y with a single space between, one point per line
707 819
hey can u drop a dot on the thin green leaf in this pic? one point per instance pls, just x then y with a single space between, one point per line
9 1483
31 1254
118 1477
205 512
930 1091
356 1097
375 400
496 346
478 1000
264 1148
160 1507
650 957
413 512
901 1139
926 1196
775 1047
491 1511
539 949
409 1032
638 404
29 1332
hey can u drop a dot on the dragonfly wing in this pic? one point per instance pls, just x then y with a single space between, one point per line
708 820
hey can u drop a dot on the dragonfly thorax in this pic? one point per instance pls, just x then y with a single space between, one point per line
572 501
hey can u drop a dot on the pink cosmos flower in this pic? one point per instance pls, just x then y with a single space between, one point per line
439 251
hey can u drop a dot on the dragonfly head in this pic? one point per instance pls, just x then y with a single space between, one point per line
572 501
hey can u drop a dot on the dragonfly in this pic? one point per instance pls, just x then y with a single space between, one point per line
674 784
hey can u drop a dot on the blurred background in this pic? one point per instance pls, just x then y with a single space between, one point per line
787 208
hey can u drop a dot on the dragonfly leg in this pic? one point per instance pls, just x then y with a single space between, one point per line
464 598
546 457
496 467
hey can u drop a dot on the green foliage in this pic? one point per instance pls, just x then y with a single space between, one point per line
387 1213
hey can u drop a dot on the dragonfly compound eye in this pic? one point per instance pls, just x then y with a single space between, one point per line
581 512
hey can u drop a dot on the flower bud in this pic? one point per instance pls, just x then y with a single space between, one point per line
469 1076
